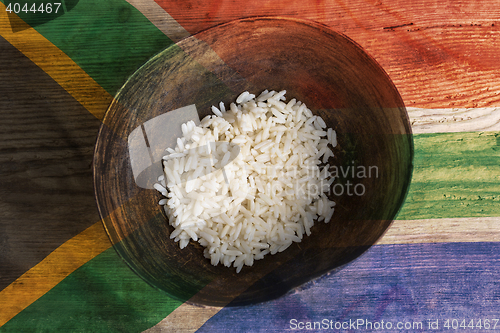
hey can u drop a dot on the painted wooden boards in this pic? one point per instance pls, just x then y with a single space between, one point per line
441 55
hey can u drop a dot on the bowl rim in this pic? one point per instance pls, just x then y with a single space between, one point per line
309 23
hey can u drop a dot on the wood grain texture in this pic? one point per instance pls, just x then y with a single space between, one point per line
46 150
56 64
469 230
161 19
60 263
103 295
472 229
178 322
470 34
47 136
454 120
109 40
393 283
439 54
454 175
51 270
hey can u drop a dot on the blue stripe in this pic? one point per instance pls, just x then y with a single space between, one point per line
395 283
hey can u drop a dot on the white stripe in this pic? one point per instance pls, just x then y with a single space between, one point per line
454 120
186 318
161 19
468 229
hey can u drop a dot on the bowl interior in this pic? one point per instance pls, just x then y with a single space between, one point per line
325 70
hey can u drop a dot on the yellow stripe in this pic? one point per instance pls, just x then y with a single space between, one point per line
53 269
57 64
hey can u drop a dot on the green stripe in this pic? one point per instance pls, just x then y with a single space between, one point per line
455 175
108 39
103 295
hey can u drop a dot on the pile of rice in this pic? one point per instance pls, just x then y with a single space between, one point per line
263 200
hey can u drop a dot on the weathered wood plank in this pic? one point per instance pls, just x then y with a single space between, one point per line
160 18
55 63
441 62
454 120
46 149
472 229
47 137
176 321
408 283
439 54
51 270
454 175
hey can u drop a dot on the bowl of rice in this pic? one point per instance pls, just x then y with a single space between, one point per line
250 159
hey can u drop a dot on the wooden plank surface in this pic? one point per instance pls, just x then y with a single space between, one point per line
46 148
50 109
410 283
442 56
454 119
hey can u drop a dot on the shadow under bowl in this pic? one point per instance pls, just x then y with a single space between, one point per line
336 79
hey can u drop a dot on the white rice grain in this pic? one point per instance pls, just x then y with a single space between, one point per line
266 198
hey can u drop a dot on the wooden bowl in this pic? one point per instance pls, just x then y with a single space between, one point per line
320 67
